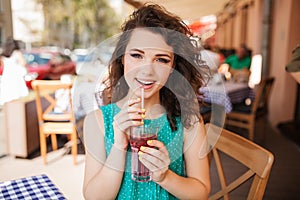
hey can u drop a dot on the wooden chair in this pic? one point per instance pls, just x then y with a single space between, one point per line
244 116
52 118
256 159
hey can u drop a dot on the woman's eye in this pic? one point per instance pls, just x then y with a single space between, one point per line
163 60
135 55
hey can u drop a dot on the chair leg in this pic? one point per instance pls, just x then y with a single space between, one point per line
74 146
54 142
43 146
251 129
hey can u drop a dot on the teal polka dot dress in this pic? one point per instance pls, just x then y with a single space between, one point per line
174 143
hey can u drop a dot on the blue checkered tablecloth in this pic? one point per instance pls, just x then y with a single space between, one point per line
38 187
227 93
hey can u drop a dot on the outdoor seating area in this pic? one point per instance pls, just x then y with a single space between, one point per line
244 115
152 100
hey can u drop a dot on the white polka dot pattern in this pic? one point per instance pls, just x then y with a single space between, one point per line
174 143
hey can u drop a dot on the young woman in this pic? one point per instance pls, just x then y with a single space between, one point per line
155 53
13 85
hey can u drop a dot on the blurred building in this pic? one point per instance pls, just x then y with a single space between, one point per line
6 28
270 28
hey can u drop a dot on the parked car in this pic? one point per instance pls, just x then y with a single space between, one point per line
47 65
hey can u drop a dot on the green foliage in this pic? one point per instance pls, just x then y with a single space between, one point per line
78 23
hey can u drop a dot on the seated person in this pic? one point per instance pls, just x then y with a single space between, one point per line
239 64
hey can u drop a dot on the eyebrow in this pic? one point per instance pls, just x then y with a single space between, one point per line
141 51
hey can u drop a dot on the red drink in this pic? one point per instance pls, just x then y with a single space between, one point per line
138 170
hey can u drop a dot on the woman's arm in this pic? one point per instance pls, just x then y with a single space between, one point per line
103 176
197 183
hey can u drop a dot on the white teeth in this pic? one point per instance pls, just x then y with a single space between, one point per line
145 82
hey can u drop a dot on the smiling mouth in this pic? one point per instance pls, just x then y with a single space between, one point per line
145 83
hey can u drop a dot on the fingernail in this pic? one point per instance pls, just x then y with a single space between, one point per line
143 110
142 148
143 116
140 153
142 122
138 99
149 142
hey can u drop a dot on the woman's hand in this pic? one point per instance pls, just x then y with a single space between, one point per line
130 115
157 159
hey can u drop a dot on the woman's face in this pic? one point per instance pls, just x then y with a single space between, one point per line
148 62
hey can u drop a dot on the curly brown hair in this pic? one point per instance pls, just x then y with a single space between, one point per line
178 101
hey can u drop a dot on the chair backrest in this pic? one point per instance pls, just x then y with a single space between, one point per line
53 100
262 95
258 161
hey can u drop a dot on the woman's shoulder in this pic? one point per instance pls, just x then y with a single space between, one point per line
93 116
93 133
195 133
194 127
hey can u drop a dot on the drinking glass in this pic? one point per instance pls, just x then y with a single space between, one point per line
139 135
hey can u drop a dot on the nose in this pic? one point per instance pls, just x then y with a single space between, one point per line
148 67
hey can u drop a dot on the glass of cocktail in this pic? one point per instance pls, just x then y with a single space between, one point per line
139 135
